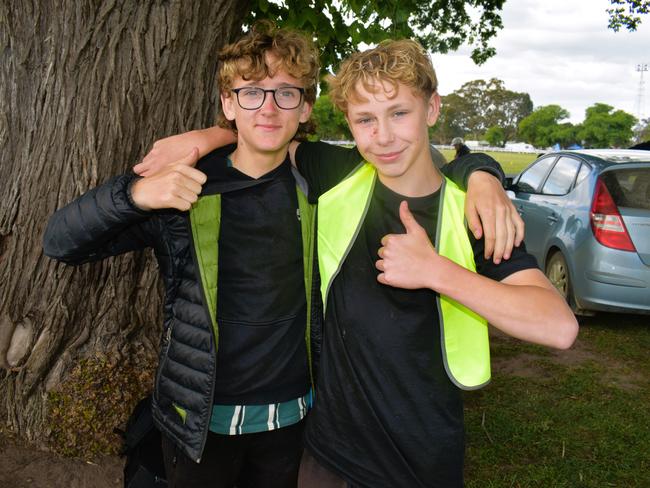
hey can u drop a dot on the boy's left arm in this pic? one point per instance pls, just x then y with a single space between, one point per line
488 210
169 150
524 305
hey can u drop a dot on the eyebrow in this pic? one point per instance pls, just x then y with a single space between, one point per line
254 83
395 106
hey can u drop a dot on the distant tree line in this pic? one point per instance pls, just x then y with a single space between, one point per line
603 127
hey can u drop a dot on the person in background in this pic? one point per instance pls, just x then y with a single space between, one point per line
460 147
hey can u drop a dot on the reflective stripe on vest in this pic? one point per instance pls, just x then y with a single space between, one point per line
205 222
464 334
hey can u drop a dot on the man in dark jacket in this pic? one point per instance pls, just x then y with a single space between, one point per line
234 240
460 147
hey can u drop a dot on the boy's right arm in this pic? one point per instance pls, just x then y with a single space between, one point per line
100 223
113 218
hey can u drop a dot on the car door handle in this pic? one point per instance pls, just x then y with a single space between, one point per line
520 209
552 218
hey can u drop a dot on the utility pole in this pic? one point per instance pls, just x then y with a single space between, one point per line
640 101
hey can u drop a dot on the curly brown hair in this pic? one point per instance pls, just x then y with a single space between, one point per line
392 62
296 55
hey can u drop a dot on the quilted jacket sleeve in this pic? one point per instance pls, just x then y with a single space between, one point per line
460 169
102 222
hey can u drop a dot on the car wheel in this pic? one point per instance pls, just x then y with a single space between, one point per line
557 273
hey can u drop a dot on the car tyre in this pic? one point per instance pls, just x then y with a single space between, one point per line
557 273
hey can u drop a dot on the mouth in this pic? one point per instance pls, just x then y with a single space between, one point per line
388 157
268 127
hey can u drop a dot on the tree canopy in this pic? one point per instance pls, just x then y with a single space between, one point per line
495 135
478 105
628 18
440 25
643 130
340 26
330 122
540 127
604 127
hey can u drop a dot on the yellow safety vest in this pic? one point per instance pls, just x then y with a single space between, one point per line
464 334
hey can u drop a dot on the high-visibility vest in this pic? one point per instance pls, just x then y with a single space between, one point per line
464 334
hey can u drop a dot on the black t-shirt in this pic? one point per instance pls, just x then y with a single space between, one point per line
261 305
385 412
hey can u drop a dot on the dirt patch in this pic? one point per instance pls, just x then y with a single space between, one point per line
528 365
27 467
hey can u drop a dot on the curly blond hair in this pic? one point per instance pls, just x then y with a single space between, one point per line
391 62
294 52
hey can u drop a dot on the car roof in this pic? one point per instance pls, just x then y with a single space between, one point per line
613 156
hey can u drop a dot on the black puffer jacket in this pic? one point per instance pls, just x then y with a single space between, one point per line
104 222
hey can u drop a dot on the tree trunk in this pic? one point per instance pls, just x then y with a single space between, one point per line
85 87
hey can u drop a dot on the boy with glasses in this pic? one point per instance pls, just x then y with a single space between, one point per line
234 242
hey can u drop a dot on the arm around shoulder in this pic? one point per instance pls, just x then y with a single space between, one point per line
170 150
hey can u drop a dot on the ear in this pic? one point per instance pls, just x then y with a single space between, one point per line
305 112
433 109
228 107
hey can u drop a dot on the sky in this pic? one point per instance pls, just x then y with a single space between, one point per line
560 52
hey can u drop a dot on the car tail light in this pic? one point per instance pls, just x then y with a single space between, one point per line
606 222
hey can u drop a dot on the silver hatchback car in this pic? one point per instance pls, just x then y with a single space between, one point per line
587 216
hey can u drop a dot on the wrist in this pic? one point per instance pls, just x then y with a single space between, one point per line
432 272
211 138
481 174
439 273
485 172
133 194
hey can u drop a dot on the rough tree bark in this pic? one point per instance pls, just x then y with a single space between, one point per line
85 87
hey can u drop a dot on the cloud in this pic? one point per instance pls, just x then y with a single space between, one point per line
559 52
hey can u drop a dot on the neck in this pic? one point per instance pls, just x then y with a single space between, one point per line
257 163
418 182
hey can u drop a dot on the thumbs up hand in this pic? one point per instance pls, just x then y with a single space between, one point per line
407 260
176 186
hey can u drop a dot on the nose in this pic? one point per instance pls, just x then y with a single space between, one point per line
269 104
383 132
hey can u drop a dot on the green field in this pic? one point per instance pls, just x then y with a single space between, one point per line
512 163
576 418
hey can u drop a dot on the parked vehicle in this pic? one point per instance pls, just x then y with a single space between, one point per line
587 216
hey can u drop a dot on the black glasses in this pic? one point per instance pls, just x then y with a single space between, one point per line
252 97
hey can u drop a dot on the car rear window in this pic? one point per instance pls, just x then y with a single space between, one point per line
629 187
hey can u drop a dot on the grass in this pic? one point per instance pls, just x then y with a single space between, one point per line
573 419
511 162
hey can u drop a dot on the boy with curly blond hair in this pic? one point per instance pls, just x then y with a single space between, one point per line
407 291
233 240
